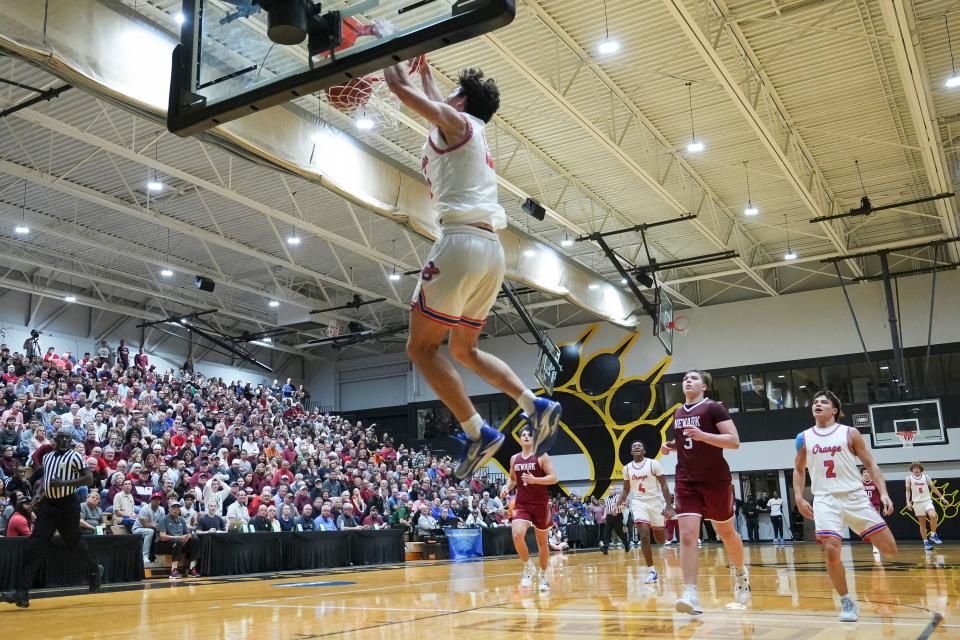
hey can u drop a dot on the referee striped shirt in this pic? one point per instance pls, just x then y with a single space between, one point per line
69 466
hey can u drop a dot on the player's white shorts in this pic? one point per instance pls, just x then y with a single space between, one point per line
649 512
831 512
921 508
461 279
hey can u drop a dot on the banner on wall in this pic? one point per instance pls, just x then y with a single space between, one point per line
464 543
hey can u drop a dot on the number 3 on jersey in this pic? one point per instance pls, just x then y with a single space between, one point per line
829 465
687 442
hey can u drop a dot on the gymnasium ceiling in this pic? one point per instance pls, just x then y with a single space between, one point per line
799 90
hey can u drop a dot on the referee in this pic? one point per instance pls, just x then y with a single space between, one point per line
64 469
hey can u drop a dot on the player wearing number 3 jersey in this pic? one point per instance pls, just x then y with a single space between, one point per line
830 451
702 429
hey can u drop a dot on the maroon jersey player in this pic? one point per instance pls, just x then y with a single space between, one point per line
873 494
702 429
531 474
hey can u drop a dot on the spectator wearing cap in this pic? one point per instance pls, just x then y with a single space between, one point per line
19 523
373 520
347 520
142 484
148 519
175 539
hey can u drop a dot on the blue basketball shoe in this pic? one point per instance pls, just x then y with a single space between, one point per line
546 424
476 453
934 538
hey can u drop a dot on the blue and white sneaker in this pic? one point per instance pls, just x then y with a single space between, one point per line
935 538
477 453
927 545
546 424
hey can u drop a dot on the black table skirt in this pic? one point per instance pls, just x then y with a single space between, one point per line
119 555
583 535
498 541
262 552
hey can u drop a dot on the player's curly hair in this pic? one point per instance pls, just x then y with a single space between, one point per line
483 96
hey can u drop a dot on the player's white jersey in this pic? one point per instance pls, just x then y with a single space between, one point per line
644 484
919 492
462 179
833 466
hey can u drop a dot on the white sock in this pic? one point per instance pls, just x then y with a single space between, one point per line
471 426
692 588
193 564
741 571
649 569
526 402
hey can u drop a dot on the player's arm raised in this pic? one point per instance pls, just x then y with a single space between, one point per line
448 119
799 476
547 465
430 86
859 449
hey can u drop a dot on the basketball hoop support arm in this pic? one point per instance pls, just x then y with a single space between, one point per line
528 321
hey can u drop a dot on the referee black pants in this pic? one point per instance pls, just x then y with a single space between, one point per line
614 524
54 514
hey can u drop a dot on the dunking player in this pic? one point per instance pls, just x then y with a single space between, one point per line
702 429
644 481
831 451
919 489
873 495
531 474
462 277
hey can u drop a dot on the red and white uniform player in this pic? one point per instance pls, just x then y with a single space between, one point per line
702 429
831 452
531 475
873 495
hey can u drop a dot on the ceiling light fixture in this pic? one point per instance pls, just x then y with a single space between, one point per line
394 276
749 210
167 273
695 145
154 184
954 80
567 241
365 123
608 45
266 339
179 17
790 254
69 298
294 239
274 304
22 228
593 285
529 253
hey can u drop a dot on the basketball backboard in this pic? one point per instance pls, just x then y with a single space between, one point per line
664 324
923 417
546 369
237 57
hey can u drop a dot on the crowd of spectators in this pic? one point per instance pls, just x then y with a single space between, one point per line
220 455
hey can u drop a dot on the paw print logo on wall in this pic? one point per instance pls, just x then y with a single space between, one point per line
603 412
945 510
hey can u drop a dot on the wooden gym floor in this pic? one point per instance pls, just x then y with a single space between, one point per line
593 596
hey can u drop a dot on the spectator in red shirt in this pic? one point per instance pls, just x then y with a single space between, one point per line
283 472
19 523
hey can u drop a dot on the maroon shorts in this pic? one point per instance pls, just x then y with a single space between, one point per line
712 500
536 514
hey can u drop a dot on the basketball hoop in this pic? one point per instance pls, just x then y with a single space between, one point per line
906 437
679 324
367 99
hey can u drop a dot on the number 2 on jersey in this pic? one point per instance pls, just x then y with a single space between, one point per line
829 465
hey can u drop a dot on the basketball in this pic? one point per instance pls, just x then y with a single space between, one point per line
352 95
